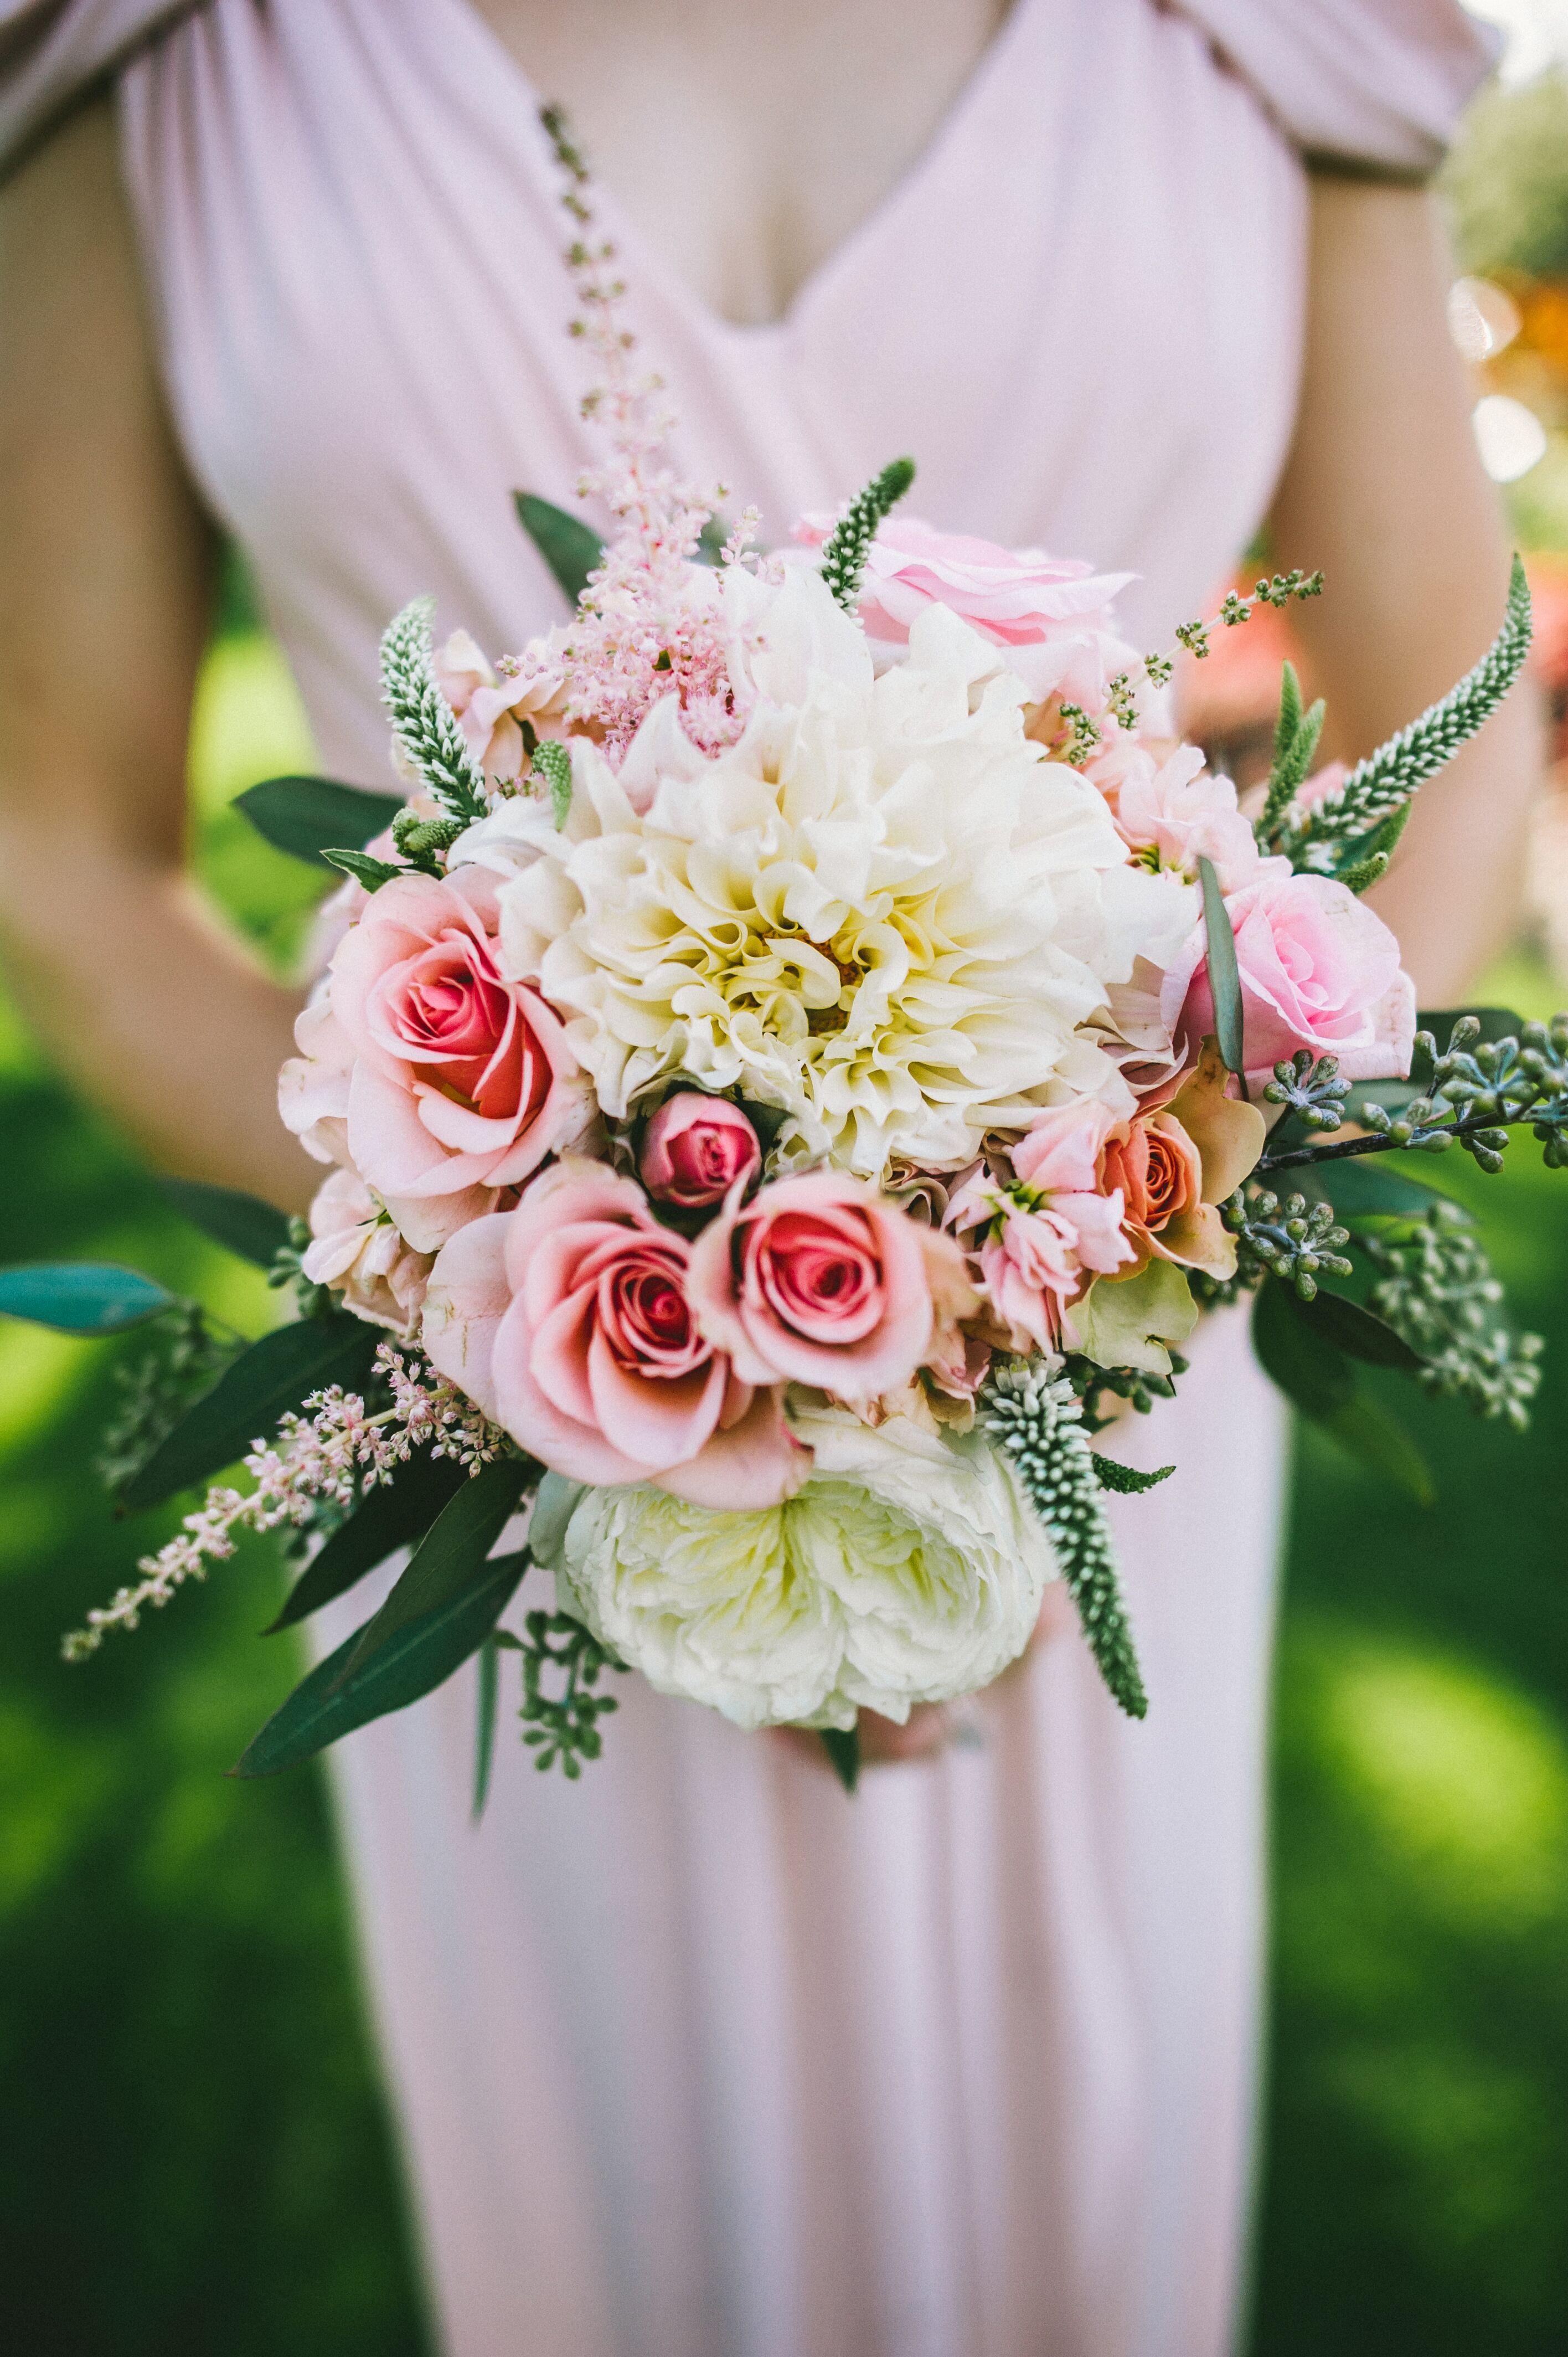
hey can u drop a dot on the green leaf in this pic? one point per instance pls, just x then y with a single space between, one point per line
81 1297
485 1723
450 1558
1358 1333
1131 1321
1362 1186
274 1374
842 1745
1375 1440
257 1231
387 1517
568 546
553 1506
1224 982
330 1704
1126 1478
303 815
1311 1369
1317 1377
371 873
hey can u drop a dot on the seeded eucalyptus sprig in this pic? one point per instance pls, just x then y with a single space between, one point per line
1486 1087
845 550
1311 1088
1437 1291
563 1727
423 721
1294 1240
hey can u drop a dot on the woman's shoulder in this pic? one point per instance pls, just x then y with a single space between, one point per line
1377 85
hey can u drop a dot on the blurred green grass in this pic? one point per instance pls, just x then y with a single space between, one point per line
200 2157
197 2154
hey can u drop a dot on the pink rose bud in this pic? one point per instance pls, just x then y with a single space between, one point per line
696 1148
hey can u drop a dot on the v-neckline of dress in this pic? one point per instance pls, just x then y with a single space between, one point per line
501 64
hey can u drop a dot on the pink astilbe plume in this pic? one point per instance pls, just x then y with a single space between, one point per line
317 1458
650 624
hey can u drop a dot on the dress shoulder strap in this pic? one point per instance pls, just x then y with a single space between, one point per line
54 53
1374 85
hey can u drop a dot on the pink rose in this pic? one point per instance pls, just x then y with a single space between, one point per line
1173 814
1175 1167
696 1148
1053 613
818 1280
1318 969
569 1320
459 1081
357 1252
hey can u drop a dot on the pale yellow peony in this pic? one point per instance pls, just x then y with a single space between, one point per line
883 909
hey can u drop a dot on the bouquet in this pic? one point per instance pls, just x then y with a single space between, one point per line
802 1048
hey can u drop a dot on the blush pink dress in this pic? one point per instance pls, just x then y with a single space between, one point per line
697 2057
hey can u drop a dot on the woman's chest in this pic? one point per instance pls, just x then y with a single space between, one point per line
1079 307
748 140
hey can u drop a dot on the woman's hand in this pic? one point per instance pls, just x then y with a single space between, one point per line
105 601
1384 490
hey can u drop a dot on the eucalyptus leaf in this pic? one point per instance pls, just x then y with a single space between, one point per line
371 873
305 816
1365 1432
81 1296
450 1558
274 1374
1311 1370
1318 1377
1358 1333
1224 982
242 1223
1363 1185
391 1515
842 1745
1127 1480
330 1703
569 547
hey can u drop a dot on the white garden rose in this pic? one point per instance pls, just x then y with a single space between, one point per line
883 909
909 1568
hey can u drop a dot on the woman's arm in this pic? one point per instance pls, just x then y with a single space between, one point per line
105 594
1384 490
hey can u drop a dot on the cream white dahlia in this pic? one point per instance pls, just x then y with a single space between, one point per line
909 1568
883 910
